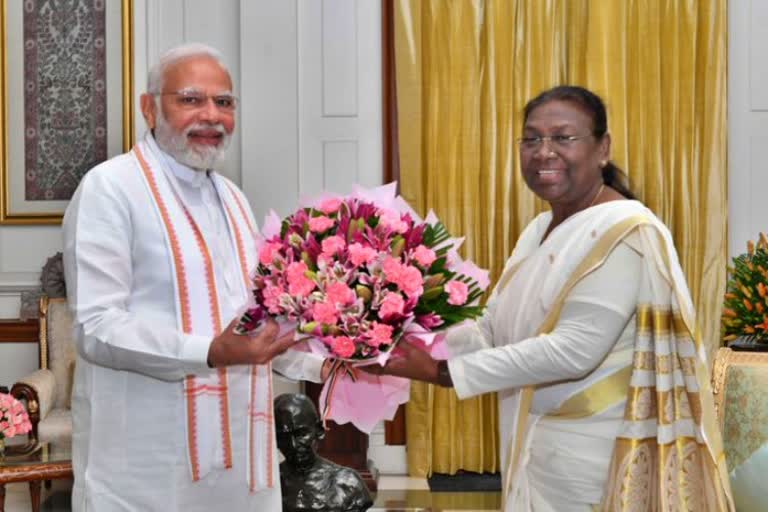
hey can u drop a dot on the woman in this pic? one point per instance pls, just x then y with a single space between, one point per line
588 339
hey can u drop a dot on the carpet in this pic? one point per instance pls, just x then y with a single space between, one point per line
465 481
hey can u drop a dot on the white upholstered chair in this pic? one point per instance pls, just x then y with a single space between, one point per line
47 391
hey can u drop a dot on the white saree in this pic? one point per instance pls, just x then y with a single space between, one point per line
580 422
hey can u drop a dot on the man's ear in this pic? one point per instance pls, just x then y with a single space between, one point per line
149 110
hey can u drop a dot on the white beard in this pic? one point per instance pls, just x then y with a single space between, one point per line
177 145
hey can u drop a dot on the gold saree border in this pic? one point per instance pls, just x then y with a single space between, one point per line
640 463
597 397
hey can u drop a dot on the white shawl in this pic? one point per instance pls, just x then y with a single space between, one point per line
198 312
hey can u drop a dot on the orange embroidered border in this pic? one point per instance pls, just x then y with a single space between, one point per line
270 429
268 415
268 418
251 447
186 321
213 299
216 317
226 434
240 206
254 415
192 429
240 248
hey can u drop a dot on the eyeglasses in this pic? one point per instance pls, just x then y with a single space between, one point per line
191 100
557 141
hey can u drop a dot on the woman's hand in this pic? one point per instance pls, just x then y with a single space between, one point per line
409 362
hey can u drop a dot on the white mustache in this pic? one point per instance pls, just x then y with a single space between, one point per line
218 127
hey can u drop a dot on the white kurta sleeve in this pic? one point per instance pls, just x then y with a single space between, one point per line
98 230
593 317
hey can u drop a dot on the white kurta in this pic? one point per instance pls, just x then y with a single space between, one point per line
129 447
566 462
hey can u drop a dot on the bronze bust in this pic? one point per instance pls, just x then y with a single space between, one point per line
310 482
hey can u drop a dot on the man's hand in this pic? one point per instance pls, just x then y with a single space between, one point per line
230 348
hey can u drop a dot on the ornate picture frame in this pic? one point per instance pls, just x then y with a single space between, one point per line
66 100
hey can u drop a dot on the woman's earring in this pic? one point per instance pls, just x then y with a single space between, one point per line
603 163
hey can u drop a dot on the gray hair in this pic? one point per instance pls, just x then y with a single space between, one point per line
176 54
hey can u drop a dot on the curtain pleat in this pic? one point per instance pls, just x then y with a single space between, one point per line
464 71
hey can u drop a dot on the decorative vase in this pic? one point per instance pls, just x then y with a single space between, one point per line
2 448
748 345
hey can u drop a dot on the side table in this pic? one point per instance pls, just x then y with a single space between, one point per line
43 462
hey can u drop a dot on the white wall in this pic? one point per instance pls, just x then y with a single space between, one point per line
311 106
747 122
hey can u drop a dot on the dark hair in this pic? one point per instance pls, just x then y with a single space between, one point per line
591 102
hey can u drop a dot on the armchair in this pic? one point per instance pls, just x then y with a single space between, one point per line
740 386
47 391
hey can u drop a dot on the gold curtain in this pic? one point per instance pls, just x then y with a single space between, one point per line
464 71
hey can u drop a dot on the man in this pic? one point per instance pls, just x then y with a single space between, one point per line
309 482
172 411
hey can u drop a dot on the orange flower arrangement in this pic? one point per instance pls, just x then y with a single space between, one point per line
745 309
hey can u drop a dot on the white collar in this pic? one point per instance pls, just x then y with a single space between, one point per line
183 172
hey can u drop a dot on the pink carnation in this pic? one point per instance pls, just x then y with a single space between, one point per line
301 287
339 293
298 282
393 269
343 346
407 278
360 254
330 205
392 220
324 260
268 252
271 295
325 313
296 270
333 244
424 256
457 292
410 281
392 305
381 334
320 224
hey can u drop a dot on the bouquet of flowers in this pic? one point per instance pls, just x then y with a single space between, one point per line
355 275
13 418
745 311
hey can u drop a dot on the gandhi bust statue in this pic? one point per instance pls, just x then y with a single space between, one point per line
308 481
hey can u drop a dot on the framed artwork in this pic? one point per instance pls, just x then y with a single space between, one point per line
66 100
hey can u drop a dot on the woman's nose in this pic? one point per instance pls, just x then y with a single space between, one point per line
544 150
